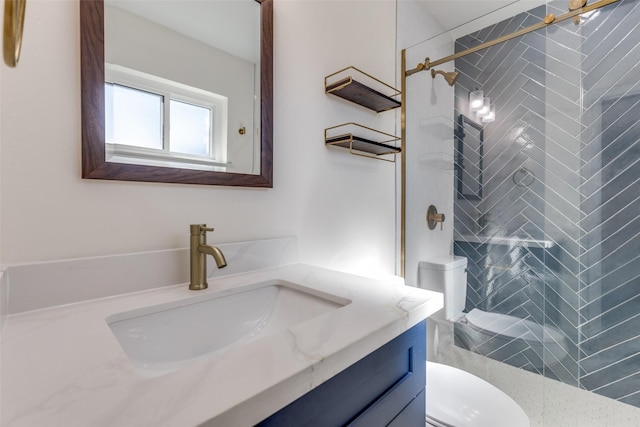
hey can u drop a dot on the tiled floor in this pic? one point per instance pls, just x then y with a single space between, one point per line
548 403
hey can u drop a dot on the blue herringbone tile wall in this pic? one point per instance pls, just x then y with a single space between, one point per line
554 238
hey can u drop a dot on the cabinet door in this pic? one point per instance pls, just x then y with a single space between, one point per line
371 392
413 414
384 409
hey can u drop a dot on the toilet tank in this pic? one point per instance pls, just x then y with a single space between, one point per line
446 274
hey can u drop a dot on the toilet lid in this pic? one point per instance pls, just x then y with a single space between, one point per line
513 327
458 399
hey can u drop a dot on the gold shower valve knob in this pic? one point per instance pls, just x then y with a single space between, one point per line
433 217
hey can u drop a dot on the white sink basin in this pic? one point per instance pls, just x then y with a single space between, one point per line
166 337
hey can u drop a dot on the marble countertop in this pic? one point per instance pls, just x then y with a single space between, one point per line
62 366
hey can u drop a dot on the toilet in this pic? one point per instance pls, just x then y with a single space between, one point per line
455 398
479 328
484 332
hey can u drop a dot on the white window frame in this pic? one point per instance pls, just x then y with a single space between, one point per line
170 90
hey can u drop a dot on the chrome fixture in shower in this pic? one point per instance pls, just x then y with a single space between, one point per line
450 77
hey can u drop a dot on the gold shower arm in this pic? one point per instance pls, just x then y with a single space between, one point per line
548 20
13 28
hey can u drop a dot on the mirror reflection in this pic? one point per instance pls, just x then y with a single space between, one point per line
469 138
182 84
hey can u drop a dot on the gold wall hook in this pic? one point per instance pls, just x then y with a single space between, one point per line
14 11
450 77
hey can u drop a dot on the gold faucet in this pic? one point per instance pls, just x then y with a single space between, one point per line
198 254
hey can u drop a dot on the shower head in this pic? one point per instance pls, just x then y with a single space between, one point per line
450 77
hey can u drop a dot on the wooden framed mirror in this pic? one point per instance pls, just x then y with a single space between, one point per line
96 165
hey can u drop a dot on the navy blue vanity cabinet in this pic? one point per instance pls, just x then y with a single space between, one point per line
386 388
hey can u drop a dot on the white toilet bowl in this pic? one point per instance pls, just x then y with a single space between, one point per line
455 398
479 328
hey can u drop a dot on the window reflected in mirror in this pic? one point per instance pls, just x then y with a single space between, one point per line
167 48
180 91
154 121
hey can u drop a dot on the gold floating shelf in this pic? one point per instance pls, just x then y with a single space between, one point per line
363 141
372 94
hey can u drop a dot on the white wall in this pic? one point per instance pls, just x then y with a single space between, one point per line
347 216
340 206
1 98
415 24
